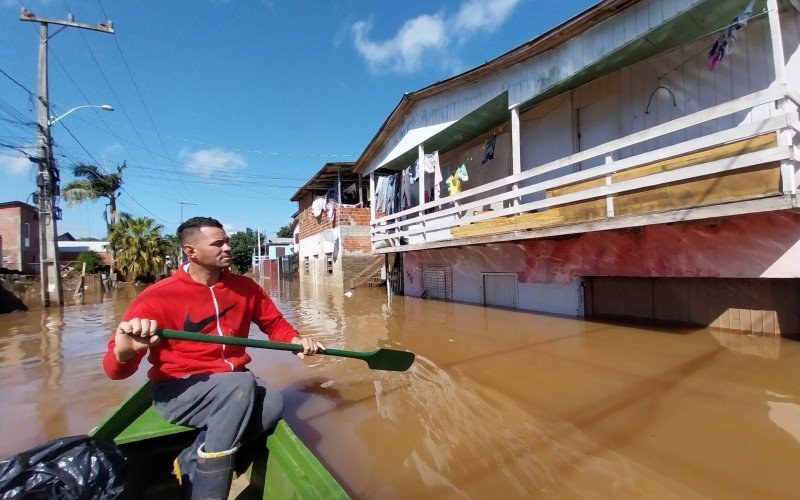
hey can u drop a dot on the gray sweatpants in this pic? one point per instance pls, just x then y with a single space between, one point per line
232 407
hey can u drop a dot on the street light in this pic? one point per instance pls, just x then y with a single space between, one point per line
104 107
47 182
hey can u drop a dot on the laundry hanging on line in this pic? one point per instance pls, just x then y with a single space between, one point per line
488 149
727 37
454 181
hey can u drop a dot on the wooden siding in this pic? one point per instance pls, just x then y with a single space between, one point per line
527 79
755 306
754 182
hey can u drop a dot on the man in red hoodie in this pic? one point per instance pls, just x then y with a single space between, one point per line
199 384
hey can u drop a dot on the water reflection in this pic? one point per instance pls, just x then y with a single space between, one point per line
498 403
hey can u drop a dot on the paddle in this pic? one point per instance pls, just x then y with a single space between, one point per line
379 359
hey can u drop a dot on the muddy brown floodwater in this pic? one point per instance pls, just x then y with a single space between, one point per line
501 404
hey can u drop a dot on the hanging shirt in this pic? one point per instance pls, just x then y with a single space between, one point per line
453 185
454 181
727 38
488 149
413 172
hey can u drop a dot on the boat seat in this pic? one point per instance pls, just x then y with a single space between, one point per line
149 425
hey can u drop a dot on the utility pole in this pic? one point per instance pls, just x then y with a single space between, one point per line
182 256
182 203
48 178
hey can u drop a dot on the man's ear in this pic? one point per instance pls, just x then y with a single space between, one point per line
189 250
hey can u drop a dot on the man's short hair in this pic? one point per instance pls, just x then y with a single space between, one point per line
193 226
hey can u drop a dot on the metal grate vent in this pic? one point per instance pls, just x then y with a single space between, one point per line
437 283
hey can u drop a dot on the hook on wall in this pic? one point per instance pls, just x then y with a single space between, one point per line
649 101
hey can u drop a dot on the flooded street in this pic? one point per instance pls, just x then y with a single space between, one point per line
499 403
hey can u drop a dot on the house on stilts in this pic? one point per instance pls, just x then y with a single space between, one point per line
332 230
638 161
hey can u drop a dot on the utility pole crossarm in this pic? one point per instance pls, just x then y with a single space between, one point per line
26 15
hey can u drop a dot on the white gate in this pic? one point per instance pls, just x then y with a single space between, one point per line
500 289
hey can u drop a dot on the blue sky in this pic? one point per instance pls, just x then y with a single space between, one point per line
232 106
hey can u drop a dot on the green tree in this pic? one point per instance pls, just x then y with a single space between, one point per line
243 244
93 186
174 251
285 231
93 260
141 247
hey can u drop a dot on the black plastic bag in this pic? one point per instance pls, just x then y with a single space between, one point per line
76 467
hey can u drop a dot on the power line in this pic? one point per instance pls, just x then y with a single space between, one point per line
86 99
116 97
23 87
121 187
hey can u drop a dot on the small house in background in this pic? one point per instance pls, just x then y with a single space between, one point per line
274 259
19 233
332 231
70 247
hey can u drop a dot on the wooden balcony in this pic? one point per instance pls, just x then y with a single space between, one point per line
744 169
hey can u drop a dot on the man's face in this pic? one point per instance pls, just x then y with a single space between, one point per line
209 247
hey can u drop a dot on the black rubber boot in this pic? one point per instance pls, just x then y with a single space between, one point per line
213 474
184 465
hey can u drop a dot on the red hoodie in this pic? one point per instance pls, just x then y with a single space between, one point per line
179 303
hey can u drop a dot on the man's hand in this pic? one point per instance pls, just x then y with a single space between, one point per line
133 336
310 346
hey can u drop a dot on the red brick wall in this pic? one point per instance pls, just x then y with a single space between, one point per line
350 216
345 216
310 225
357 243
16 254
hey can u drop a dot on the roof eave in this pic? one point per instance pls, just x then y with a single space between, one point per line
537 45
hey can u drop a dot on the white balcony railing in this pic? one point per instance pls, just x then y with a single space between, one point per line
447 212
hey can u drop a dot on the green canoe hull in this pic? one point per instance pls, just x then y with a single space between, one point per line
281 466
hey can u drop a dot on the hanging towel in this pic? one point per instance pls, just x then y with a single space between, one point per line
318 206
437 177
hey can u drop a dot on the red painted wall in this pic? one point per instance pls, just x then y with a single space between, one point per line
743 246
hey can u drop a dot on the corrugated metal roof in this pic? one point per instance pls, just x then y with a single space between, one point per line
326 178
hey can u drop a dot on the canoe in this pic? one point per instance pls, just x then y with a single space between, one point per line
279 466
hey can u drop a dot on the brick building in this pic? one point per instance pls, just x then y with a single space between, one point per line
332 230
19 232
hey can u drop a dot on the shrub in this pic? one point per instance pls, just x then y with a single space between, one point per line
94 263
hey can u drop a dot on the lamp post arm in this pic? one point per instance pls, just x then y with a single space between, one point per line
104 107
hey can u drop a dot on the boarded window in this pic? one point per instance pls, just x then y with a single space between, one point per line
500 289
437 283
751 305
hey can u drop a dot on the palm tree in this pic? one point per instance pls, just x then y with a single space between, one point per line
93 186
141 247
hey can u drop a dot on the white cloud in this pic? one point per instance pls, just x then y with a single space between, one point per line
428 36
207 162
14 163
404 52
486 15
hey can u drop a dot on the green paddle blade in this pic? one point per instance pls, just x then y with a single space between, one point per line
379 359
